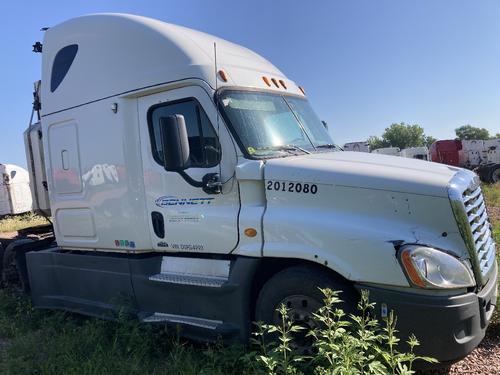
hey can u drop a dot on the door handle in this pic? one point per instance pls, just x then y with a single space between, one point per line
158 224
64 160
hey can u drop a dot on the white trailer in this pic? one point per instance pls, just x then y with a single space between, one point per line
393 151
421 153
15 193
191 178
357 147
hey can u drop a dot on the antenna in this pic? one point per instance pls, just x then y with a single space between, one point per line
216 102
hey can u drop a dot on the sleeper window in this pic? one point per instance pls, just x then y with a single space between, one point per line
62 62
203 143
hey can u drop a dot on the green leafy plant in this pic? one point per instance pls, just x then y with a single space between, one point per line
278 356
343 344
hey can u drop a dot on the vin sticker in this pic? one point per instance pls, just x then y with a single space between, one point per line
187 247
292 187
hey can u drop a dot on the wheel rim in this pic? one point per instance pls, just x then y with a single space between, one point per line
300 311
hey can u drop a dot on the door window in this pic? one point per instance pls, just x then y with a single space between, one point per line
203 143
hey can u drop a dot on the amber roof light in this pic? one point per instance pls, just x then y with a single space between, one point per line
223 75
275 81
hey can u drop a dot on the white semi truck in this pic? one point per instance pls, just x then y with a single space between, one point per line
190 178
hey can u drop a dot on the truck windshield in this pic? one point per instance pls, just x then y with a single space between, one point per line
271 125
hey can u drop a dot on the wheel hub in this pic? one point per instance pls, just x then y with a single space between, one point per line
300 312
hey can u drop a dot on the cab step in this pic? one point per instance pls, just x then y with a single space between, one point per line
159 317
212 273
194 280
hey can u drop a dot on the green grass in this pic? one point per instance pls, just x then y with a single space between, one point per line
50 342
492 195
17 222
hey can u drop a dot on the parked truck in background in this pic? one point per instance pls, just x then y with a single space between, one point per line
357 146
15 193
393 151
482 156
421 153
189 177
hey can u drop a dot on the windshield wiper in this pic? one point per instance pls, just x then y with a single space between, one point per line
327 145
294 148
284 148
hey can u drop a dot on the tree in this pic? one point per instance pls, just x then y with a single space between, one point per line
471 132
497 135
401 135
375 142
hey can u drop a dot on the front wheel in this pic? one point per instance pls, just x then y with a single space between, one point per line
298 288
494 174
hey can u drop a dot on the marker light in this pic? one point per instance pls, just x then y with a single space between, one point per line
266 81
250 232
223 75
283 83
302 89
429 268
275 81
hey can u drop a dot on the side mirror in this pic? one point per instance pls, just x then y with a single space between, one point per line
175 143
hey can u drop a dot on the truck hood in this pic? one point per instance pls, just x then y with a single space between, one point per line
364 170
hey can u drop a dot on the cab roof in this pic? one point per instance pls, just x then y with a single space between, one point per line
120 53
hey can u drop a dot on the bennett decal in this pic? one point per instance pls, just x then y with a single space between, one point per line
167 201
292 187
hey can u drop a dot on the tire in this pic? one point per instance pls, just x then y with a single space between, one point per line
298 288
14 264
494 175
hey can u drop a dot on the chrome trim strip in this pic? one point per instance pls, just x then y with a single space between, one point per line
466 181
457 185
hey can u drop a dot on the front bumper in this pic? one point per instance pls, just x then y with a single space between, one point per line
448 328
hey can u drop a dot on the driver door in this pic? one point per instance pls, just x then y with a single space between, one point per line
184 218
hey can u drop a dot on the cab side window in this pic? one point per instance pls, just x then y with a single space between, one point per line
203 143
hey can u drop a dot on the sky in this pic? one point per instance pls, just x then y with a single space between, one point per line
364 64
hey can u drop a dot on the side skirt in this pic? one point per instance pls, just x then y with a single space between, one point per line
208 298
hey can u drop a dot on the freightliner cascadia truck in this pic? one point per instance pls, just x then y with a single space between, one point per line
190 180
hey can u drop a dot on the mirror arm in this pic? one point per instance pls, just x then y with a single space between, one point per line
210 183
191 181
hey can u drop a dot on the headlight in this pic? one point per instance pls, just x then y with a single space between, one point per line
434 269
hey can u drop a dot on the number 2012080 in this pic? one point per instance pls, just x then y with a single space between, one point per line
292 187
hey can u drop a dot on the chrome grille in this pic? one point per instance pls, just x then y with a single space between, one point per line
480 227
